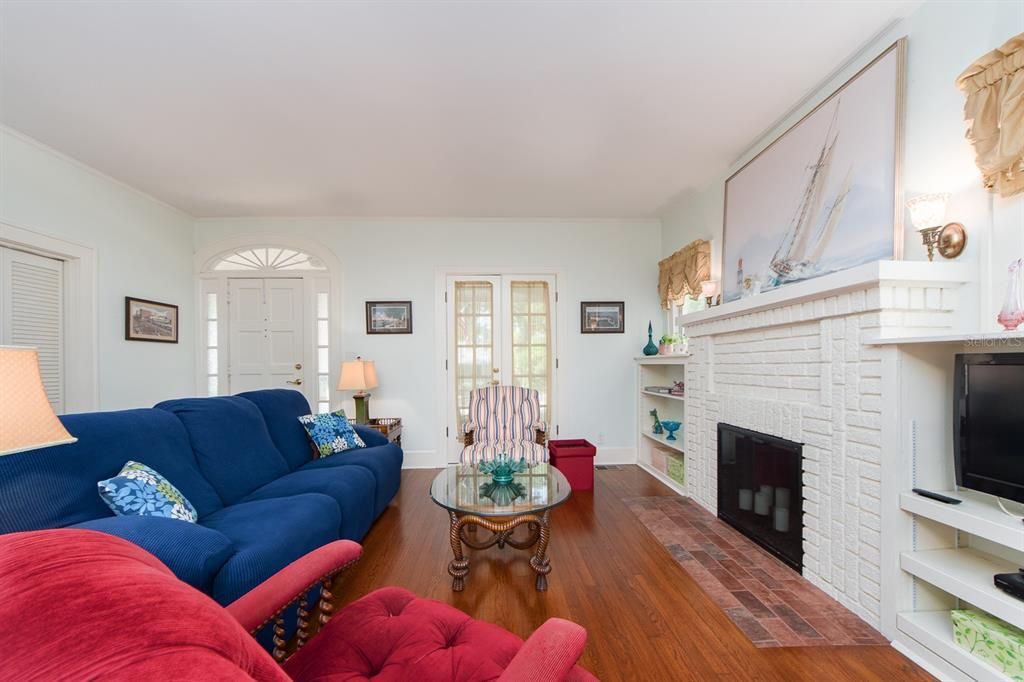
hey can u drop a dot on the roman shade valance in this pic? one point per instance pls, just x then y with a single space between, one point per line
994 112
681 274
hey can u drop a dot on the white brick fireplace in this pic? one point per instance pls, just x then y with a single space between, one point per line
793 363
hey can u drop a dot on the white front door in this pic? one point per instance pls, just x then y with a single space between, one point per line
266 334
500 330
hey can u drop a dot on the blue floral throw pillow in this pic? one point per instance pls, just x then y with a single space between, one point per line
331 433
141 491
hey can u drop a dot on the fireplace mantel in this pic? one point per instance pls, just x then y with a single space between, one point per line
920 274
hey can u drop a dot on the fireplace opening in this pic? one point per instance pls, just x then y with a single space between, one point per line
760 490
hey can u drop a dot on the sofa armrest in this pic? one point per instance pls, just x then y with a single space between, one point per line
194 553
372 437
266 602
549 655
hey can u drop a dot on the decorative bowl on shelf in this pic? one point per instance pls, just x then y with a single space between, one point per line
671 427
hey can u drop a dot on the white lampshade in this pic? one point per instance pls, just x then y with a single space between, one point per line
27 421
709 288
357 375
928 210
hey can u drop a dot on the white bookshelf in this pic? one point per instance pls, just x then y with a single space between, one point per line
933 630
660 370
942 556
977 514
967 573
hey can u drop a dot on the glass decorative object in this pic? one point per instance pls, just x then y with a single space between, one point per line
503 468
671 427
651 348
502 488
503 494
1012 313
656 429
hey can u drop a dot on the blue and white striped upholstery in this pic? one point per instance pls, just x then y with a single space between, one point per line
504 420
531 451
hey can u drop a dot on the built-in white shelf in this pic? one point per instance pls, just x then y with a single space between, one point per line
676 444
984 340
676 359
671 483
967 574
934 630
976 515
664 395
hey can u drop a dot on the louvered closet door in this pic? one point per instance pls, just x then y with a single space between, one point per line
32 314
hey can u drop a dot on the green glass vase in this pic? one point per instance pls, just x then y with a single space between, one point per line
651 348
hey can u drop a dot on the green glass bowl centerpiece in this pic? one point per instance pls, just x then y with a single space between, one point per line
503 468
502 488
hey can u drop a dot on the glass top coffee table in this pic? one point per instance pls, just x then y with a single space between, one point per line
472 501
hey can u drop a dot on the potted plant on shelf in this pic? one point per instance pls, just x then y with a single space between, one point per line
672 345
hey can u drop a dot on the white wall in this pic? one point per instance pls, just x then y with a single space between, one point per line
943 39
400 259
143 248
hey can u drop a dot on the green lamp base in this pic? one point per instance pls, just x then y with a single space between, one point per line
362 408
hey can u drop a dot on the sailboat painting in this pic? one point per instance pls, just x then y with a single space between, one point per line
822 197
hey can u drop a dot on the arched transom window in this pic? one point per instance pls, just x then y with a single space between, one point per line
268 258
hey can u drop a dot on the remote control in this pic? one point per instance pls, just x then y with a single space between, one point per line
936 496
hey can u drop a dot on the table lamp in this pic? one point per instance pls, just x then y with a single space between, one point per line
27 421
359 375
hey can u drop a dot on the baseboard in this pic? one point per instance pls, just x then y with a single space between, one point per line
422 459
607 455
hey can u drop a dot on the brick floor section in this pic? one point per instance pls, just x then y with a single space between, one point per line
769 602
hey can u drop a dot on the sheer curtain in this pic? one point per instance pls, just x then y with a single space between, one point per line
531 339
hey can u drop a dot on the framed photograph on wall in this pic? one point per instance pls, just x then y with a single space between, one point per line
389 317
150 321
602 317
825 196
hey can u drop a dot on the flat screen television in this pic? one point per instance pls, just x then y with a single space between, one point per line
988 423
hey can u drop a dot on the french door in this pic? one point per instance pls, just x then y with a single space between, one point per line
266 334
500 330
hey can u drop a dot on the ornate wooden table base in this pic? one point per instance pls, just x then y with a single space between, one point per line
501 534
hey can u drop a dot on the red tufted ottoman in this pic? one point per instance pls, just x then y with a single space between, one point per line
391 634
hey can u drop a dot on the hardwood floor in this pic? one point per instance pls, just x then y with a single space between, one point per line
646 618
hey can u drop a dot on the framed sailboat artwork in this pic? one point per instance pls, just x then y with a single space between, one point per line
825 195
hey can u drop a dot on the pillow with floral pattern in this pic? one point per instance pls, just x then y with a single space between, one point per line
331 433
141 491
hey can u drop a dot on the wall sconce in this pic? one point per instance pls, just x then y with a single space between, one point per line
709 289
927 213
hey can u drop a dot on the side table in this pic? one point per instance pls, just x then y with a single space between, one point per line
391 427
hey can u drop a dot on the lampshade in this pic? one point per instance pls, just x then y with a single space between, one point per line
27 421
709 288
928 210
357 375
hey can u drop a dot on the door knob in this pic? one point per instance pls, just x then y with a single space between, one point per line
297 382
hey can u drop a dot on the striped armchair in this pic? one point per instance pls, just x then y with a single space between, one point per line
504 420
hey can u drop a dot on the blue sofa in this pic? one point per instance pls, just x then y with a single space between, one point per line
243 461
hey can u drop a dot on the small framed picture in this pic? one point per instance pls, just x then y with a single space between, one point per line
602 317
150 321
389 317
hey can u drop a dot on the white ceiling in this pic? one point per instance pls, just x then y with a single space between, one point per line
501 108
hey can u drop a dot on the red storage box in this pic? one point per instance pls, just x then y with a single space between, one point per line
575 459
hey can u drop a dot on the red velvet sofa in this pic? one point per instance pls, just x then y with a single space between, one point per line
79 604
